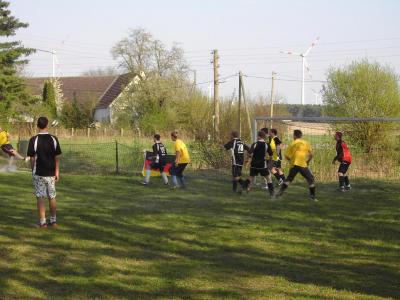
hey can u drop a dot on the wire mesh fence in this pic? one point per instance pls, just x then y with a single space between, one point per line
375 147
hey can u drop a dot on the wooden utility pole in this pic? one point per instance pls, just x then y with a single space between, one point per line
245 107
240 105
216 94
272 96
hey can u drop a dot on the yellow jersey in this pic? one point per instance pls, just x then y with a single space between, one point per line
299 153
4 138
180 147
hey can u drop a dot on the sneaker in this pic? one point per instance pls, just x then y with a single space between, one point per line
41 226
341 189
280 182
53 224
348 187
144 183
312 198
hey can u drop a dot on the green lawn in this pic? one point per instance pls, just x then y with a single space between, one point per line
119 240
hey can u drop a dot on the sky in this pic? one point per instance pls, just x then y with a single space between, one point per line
249 35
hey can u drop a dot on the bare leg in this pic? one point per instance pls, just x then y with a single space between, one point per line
17 155
53 207
41 210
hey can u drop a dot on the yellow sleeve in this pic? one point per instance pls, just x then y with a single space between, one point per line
289 151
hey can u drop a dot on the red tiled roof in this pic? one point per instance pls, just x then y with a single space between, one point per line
102 89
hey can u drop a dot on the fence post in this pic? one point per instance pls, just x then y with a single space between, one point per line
116 158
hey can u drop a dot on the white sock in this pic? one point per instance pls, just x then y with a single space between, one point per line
42 221
53 219
147 178
164 177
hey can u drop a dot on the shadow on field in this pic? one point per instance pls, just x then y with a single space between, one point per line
118 239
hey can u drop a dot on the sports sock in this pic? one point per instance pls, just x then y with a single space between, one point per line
346 180
270 188
53 219
283 177
175 181
234 185
312 191
277 176
341 181
147 178
164 177
42 221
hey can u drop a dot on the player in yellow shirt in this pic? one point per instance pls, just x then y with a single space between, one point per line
299 154
8 148
181 161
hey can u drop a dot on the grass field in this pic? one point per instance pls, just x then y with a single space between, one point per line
119 240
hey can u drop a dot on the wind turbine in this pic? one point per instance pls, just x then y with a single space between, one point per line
317 96
306 67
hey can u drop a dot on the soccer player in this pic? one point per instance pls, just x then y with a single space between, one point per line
8 148
275 144
299 154
159 159
182 159
258 152
343 156
237 148
44 151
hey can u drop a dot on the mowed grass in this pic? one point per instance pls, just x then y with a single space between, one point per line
119 240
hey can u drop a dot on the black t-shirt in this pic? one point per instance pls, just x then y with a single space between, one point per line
259 151
277 143
44 147
160 153
237 148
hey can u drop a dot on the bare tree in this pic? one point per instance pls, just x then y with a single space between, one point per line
108 71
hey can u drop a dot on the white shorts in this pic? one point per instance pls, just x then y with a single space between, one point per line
45 187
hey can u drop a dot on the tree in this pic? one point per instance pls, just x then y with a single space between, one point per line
49 98
72 115
107 71
141 52
363 89
13 95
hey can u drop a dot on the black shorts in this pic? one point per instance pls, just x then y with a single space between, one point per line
236 171
343 167
277 164
262 172
159 165
8 148
305 172
177 169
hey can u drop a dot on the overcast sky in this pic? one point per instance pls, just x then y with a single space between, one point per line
248 34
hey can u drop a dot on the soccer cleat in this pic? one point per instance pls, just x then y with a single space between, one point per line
341 189
53 224
312 198
348 187
41 226
144 183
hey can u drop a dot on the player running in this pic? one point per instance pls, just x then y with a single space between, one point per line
237 148
299 154
275 144
159 159
8 148
343 156
258 153
181 161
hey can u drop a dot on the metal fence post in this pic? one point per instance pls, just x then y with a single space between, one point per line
116 158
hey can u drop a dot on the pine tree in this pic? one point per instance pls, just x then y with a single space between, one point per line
49 98
12 90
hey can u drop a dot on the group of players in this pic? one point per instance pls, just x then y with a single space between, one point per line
266 160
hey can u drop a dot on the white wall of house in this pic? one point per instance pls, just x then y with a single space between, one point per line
102 115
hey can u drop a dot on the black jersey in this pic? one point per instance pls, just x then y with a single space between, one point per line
260 150
159 152
237 148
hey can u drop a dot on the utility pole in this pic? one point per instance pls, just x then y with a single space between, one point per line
240 104
54 59
194 77
216 93
272 96
246 108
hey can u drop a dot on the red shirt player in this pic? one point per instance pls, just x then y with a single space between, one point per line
343 156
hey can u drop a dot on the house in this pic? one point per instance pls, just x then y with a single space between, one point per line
102 91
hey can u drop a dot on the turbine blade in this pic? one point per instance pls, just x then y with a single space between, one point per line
311 46
290 53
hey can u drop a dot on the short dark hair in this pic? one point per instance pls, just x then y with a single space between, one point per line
42 122
261 134
235 134
339 134
274 131
157 137
297 133
174 134
265 130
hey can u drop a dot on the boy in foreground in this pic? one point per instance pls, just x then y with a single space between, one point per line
343 156
258 152
299 154
8 148
237 148
44 150
182 159
159 159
